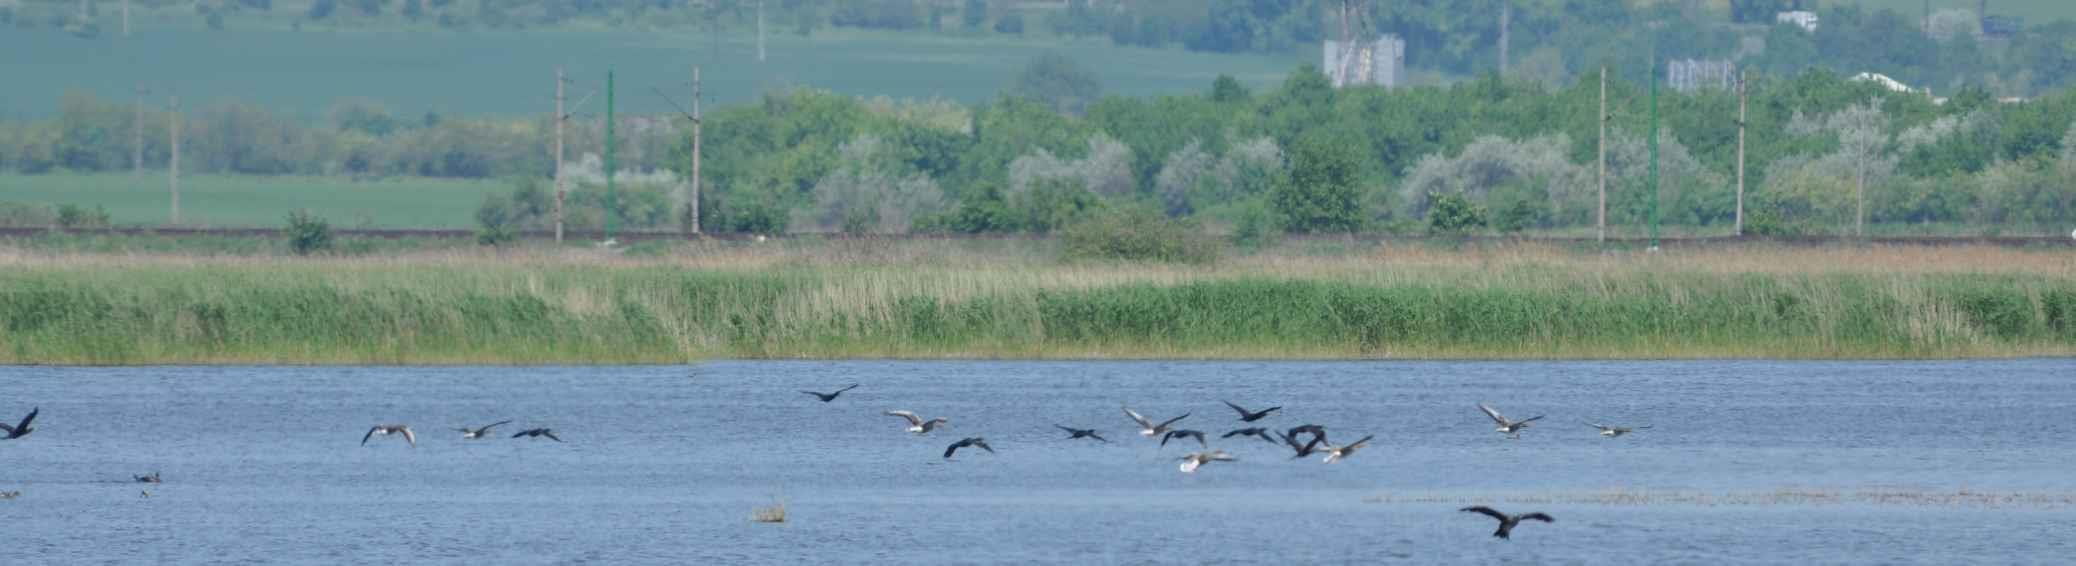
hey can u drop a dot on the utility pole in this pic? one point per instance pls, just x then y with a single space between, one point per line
1600 219
1654 148
173 166
694 203
611 205
1506 12
760 31
1738 229
560 119
137 134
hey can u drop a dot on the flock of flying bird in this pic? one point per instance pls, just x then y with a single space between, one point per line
1317 444
1165 430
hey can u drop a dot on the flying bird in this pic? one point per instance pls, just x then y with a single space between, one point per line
1507 427
1258 432
1304 449
1191 462
386 430
976 442
1338 453
1174 434
1316 431
830 396
153 478
1251 416
917 424
21 430
1146 426
1507 522
1082 433
1614 431
537 433
476 433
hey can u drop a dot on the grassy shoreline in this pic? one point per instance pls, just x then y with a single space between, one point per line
1008 300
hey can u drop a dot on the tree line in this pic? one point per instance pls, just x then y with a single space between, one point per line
1823 153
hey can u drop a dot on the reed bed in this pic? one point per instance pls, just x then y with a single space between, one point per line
993 299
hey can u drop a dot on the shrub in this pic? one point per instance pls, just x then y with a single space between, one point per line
495 224
1450 213
307 233
73 217
1137 235
18 215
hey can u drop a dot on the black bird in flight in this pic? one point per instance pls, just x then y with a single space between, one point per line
1305 449
1316 431
976 442
1251 416
830 396
21 430
537 433
1507 522
476 433
1258 432
1174 434
1082 433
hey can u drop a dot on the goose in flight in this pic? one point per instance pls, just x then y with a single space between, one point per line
1257 432
1146 426
976 442
476 433
21 430
1507 522
1194 460
386 430
538 432
1305 449
1338 453
153 478
1251 416
1614 431
1507 427
830 396
1082 433
1174 434
917 424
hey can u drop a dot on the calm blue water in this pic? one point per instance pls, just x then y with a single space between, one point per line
665 464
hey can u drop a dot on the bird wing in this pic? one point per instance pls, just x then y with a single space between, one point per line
1496 417
1316 441
817 395
1594 425
912 419
984 446
1643 427
1486 511
486 428
521 433
1200 439
1098 437
848 388
411 438
26 420
551 435
8 429
1138 418
1242 410
371 434
1358 443
1172 421
948 450
1069 430
1531 419
1221 456
1236 433
1165 437
1538 517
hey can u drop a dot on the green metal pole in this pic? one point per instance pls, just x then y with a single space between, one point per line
612 206
1654 151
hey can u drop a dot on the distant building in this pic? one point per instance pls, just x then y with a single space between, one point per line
1803 19
1689 75
1381 63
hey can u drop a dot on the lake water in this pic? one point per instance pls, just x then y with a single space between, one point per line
1747 462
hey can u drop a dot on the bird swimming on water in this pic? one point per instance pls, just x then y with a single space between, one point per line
1146 426
21 430
1507 427
1507 522
976 442
916 424
1194 460
1251 416
1174 434
1082 433
386 430
476 433
830 396
539 432
1258 432
1614 431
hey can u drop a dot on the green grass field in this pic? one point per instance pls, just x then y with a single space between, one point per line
2034 11
958 300
513 72
246 201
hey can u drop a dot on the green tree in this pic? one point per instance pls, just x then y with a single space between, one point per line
1058 81
307 233
1451 213
1320 192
